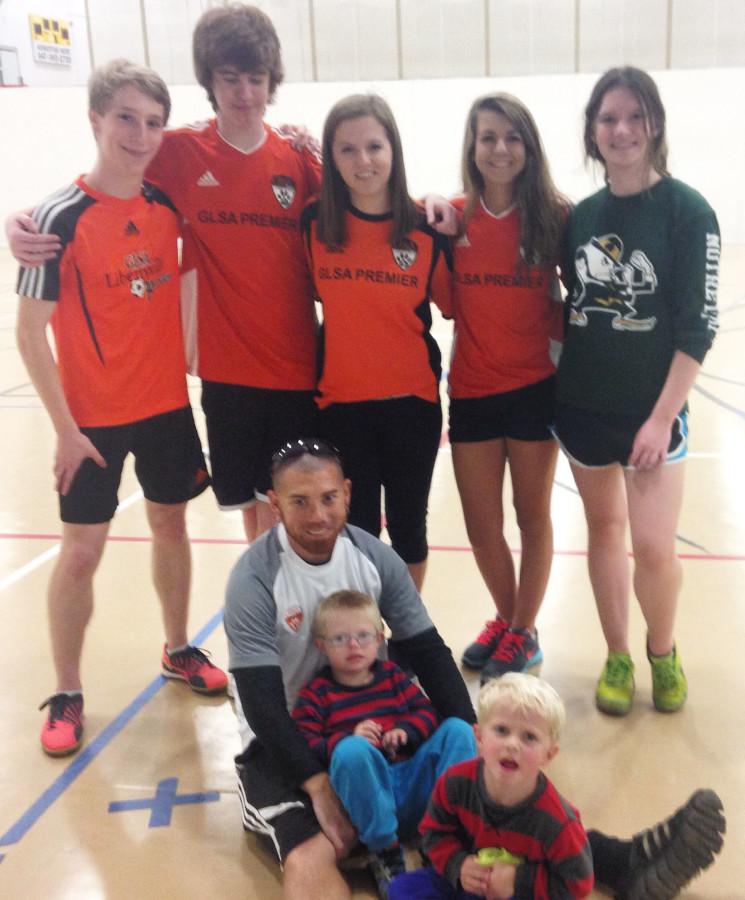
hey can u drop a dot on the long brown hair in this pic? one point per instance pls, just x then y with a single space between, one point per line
542 208
334 198
643 87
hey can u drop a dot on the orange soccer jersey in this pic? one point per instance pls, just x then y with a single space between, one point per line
508 318
376 316
245 271
117 325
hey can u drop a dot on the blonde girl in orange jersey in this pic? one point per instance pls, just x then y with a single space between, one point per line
376 264
508 326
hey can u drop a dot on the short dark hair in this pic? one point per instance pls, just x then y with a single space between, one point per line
643 87
303 449
236 35
106 80
334 198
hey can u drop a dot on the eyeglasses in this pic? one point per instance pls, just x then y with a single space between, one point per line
363 639
302 446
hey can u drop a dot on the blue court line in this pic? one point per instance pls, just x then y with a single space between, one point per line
161 805
86 756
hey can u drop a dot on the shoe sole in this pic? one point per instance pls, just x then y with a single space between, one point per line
669 709
67 751
535 670
613 709
207 692
691 850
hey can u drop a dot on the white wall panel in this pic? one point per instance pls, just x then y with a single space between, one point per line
442 38
170 24
623 32
116 30
710 35
531 36
291 18
356 39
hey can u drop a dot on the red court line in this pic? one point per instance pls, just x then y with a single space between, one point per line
441 548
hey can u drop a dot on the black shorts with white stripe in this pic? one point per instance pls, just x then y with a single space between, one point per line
270 806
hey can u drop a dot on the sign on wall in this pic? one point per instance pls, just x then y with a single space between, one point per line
50 40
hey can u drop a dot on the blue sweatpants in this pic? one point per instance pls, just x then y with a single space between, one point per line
426 884
384 799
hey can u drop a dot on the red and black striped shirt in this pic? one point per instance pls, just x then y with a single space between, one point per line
327 711
544 829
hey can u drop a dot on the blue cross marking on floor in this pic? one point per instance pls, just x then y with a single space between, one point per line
161 805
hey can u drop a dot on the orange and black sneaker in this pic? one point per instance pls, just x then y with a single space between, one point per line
192 666
62 733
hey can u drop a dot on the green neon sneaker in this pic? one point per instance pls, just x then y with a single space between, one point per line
669 685
615 690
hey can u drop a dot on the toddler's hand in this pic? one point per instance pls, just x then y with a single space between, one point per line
370 730
394 739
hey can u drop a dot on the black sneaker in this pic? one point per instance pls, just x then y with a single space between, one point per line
385 865
669 855
476 654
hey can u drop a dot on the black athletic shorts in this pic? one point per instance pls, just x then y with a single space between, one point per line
392 445
245 426
281 812
595 440
524 414
169 465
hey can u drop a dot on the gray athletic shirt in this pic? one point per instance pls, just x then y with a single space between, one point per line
272 595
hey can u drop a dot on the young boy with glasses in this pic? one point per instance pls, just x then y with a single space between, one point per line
375 729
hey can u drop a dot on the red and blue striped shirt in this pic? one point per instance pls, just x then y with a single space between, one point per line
327 711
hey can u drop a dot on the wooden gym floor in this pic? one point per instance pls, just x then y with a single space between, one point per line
148 740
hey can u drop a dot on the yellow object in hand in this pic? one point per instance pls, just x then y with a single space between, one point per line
487 856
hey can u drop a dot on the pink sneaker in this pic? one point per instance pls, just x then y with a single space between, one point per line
192 666
62 733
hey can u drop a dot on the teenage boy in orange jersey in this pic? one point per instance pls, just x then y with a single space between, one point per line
118 384
240 186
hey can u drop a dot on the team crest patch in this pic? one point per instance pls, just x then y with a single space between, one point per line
405 253
294 618
284 190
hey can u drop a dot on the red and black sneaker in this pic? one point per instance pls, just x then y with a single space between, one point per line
476 654
192 666
62 733
518 651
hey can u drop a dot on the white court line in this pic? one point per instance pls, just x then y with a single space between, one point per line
52 552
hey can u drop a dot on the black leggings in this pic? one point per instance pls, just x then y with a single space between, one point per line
390 444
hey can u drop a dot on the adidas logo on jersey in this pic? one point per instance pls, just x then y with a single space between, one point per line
131 228
208 180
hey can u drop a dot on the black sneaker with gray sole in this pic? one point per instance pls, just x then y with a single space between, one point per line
672 853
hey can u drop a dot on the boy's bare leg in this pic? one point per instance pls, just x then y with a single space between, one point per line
171 567
70 598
